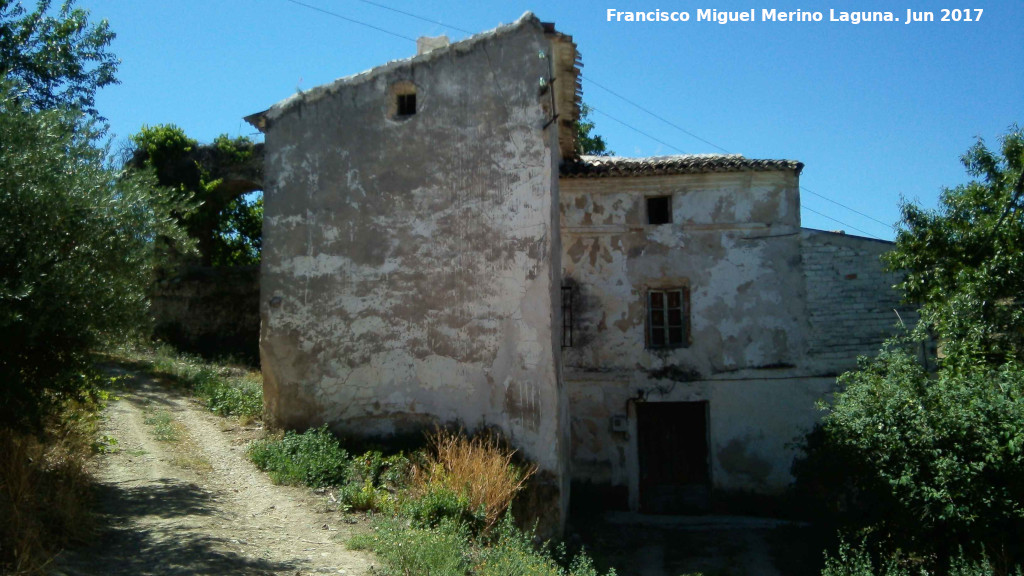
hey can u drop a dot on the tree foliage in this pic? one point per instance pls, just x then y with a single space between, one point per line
924 462
226 223
964 262
586 142
56 60
79 247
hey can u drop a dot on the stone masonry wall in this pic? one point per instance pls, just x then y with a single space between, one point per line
851 301
210 311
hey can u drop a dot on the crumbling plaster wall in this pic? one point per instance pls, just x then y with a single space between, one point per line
411 265
734 241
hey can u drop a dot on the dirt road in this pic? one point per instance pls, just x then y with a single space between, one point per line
178 496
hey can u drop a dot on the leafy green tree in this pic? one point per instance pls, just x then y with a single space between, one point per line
926 463
964 262
78 248
226 222
56 60
587 143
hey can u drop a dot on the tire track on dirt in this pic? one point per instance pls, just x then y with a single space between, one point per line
211 512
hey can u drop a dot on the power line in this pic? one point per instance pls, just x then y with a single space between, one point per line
712 144
639 107
637 130
602 87
841 222
416 16
347 19
805 189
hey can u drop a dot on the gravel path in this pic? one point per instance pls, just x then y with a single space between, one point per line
196 505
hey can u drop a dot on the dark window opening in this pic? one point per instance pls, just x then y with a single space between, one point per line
659 210
567 320
406 104
668 318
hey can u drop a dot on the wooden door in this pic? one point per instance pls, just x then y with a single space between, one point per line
672 441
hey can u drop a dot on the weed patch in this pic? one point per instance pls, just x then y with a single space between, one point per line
226 391
314 458
163 424
441 550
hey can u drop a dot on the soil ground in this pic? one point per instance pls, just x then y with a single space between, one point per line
195 505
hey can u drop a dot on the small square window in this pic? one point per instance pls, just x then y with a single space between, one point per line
402 101
668 318
659 210
406 104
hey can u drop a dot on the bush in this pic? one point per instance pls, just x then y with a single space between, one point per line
512 552
77 258
857 561
226 391
314 458
927 464
440 503
480 469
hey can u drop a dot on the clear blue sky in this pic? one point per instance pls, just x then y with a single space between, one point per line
876 111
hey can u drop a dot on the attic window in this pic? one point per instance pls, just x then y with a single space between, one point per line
402 100
659 210
406 104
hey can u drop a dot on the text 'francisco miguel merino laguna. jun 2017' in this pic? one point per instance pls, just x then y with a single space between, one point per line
774 15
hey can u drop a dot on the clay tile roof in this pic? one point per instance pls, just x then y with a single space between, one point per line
601 166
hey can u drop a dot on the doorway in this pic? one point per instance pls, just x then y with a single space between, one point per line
672 445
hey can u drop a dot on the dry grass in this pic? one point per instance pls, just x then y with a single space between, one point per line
481 468
45 498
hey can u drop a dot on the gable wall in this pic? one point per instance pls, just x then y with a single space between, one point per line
410 266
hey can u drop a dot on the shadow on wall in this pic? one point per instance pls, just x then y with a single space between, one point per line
213 312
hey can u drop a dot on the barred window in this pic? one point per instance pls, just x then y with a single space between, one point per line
567 320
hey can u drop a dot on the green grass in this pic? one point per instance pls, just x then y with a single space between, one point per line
451 549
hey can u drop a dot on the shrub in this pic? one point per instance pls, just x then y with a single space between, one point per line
439 503
480 469
441 550
857 561
77 257
366 496
374 480
928 464
314 458
390 472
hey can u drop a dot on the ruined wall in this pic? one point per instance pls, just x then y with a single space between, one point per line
411 264
853 305
735 243
210 311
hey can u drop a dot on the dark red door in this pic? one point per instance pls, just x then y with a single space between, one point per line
672 439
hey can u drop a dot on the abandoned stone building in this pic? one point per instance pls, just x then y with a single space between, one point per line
434 251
